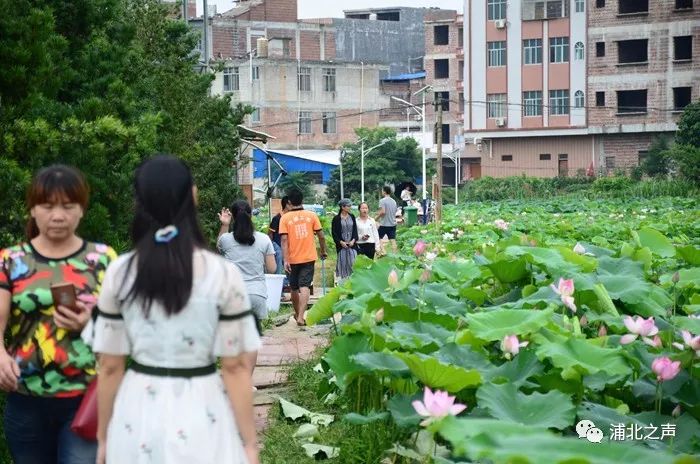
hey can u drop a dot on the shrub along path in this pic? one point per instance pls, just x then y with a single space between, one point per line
283 344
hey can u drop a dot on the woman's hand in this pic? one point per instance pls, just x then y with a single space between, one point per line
225 216
343 244
251 453
74 319
9 372
101 453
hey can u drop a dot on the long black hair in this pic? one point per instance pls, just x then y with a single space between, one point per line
243 228
164 196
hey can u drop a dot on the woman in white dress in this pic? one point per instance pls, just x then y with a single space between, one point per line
174 307
368 242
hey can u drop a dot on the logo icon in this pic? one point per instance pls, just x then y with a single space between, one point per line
587 429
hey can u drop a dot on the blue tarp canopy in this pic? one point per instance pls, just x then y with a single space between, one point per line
406 76
319 162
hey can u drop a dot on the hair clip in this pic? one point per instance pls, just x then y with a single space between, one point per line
166 234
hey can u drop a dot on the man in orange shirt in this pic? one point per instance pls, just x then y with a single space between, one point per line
297 228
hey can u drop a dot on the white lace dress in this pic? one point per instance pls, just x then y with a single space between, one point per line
170 419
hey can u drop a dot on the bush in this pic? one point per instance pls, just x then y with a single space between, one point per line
686 159
521 187
612 184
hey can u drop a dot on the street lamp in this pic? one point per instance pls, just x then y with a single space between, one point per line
423 91
362 163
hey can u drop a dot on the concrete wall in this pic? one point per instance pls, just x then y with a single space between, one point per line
387 42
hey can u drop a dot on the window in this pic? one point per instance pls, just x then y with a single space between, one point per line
256 73
506 157
684 4
314 177
609 163
633 6
600 3
600 99
631 101
545 157
496 9
328 123
544 9
683 47
556 9
304 79
559 50
461 70
579 99
460 36
441 35
559 102
580 6
600 49
329 79
532 51
532 103
632 51
255 115
681 97
389 16
563 157
444 98
231 79
445 134
304 122
442 69
497 53
496 105
578 51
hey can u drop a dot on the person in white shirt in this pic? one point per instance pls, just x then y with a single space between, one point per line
406 196
368 242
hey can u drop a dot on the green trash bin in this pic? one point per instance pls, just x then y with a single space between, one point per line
410 214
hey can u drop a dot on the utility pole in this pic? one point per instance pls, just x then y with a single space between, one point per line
438 129
342 188
184 11
205 37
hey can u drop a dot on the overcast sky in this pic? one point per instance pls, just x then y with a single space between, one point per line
334 8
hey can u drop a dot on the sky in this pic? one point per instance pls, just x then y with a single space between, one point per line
334 8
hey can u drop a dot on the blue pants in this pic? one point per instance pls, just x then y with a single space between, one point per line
38 431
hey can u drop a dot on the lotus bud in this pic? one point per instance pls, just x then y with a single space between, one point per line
583 321
603 331
579 249
419 248
676 411
379 317
425 276
393 278
676 277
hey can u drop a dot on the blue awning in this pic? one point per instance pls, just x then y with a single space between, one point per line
406 76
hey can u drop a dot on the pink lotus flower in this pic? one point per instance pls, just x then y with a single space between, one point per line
690 341
501 224
436 406
510 345
603 331
419 248
393 278
665 369
565 289
653 342
639 326
379 316
425 276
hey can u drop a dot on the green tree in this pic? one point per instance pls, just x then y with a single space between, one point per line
394 162
656 163
685 152
299 181
101 85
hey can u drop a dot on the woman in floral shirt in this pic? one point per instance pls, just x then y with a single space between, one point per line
44 365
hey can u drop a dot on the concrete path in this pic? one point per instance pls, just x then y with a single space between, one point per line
282 346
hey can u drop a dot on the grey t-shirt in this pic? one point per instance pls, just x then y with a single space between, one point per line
250 259
389 218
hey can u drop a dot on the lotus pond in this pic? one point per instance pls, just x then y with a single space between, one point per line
531 332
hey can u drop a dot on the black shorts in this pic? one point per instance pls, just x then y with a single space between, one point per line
302 275
389 231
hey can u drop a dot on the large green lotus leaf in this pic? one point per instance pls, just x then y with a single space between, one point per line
372 280
656 241
464 356
413 335
435 374
691 324
359 304
620 267
459 271
474 294
437 301
518 370
628 289
402 410
381 363
690 253
339 357
359 419
553 409
655 304
294 412
458 431
324 308
686 278
318 452
579 357
494 325
586 263
547 258
603 302
509 270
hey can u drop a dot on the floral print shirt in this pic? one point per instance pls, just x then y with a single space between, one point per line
53 362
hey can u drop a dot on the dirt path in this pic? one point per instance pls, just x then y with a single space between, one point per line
282 346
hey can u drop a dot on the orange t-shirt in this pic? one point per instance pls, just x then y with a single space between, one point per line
299 226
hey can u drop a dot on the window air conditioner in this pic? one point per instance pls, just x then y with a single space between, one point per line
500 23
501 122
